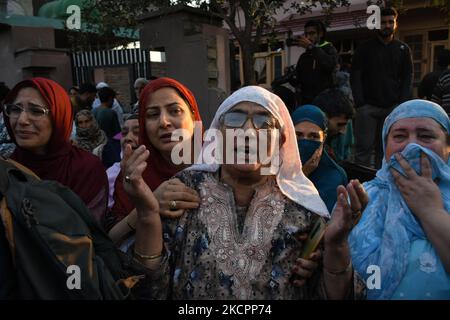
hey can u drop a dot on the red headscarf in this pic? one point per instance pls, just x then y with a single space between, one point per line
75 168
158 169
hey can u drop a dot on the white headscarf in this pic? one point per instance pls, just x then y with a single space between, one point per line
290 178
101 85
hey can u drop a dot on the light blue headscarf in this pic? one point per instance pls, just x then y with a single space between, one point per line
384 235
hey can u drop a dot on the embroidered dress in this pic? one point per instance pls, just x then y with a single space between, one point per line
209 257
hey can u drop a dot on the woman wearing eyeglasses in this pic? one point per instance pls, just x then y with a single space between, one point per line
241 242
38 116
165 105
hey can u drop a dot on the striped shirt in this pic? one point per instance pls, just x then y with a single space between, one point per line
441 93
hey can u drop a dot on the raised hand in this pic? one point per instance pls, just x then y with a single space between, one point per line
420 192
303 42
132 166
346 215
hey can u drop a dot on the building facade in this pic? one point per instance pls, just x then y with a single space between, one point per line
423 28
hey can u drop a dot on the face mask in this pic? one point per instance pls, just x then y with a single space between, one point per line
307 148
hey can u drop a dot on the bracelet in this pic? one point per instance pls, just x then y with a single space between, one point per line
145 257
340 272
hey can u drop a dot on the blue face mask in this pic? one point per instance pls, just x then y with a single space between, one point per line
307 148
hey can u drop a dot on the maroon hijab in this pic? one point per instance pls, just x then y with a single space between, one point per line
158 170
75 168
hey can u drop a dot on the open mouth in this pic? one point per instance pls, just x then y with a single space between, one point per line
166 137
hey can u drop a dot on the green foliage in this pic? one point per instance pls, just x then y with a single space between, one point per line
248 20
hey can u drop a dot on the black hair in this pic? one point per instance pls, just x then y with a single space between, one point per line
319 25
287 96
334 103
4 90
133 116
389 11
106 93
87 87
443 58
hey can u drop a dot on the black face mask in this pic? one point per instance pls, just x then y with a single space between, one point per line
307 148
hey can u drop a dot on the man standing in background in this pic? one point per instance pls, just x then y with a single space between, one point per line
430 80
139 85
316 67
381 79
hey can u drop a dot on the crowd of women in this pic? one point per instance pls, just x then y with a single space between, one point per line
227 231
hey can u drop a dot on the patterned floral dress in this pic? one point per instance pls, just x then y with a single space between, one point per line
220 251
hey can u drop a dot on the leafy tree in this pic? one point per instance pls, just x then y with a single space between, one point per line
248 20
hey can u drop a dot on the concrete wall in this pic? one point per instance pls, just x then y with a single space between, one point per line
28 52
159 69
119 79
8 73
197 55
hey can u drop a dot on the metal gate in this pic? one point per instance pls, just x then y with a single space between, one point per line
84 63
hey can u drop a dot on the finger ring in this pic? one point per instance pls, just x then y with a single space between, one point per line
173 205
127 179
356 214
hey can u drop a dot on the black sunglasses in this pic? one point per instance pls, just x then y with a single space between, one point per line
235 119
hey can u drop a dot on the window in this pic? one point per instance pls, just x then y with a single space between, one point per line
438 35
278 66
268 63
415 43
437 48
260 70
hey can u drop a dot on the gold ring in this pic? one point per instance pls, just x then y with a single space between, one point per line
356 215
173 205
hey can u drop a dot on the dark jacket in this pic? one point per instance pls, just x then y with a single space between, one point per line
381 74
428 84
107 121
441 92
7 273
315 71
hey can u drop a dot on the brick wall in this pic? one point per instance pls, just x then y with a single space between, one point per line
159 69
118 78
